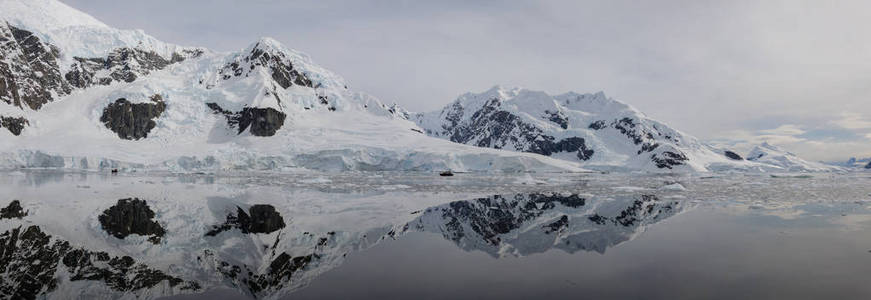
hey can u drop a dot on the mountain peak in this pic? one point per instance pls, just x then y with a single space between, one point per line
769 154
574 127
268 45
45 15
770 148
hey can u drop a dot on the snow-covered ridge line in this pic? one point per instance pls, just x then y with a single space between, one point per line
597 131
77 33
772 155
852 163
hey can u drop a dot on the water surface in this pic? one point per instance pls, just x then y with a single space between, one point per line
483 236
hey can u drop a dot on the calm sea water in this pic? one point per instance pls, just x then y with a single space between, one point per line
478 236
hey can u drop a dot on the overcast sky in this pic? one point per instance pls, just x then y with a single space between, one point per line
794 73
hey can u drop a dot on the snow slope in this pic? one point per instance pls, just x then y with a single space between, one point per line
591 129
265 107
786 161
76 33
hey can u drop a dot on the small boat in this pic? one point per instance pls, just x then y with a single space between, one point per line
446 173
114 171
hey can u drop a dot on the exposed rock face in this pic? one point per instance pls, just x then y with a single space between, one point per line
14 210
495 128
260 218
640 209
266 56
535 223
559 118
29 73
598 125
668 159
601 132
262 121
31 262
571 144
868 166
733 156
131 216
132 121
260 284
264 219
14 125
558 225
122 65
496 215
644 136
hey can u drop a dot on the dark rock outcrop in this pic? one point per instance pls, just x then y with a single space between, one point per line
131 216
508 120
264 219
492 216
283 72
868 166
31 262
557 225
29 73
647 136
262 121
496 223
598 125
122 65
648 207
492 127
260 218
14 125
280 271
641 133
13 210
668 159
558 118
132 121
732 155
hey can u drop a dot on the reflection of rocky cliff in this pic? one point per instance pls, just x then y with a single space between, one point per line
534 223
250 250
256 249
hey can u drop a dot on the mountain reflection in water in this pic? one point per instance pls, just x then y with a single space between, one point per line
312 236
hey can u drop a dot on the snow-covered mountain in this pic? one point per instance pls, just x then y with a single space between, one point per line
77 93
591 129
772 155
852 163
